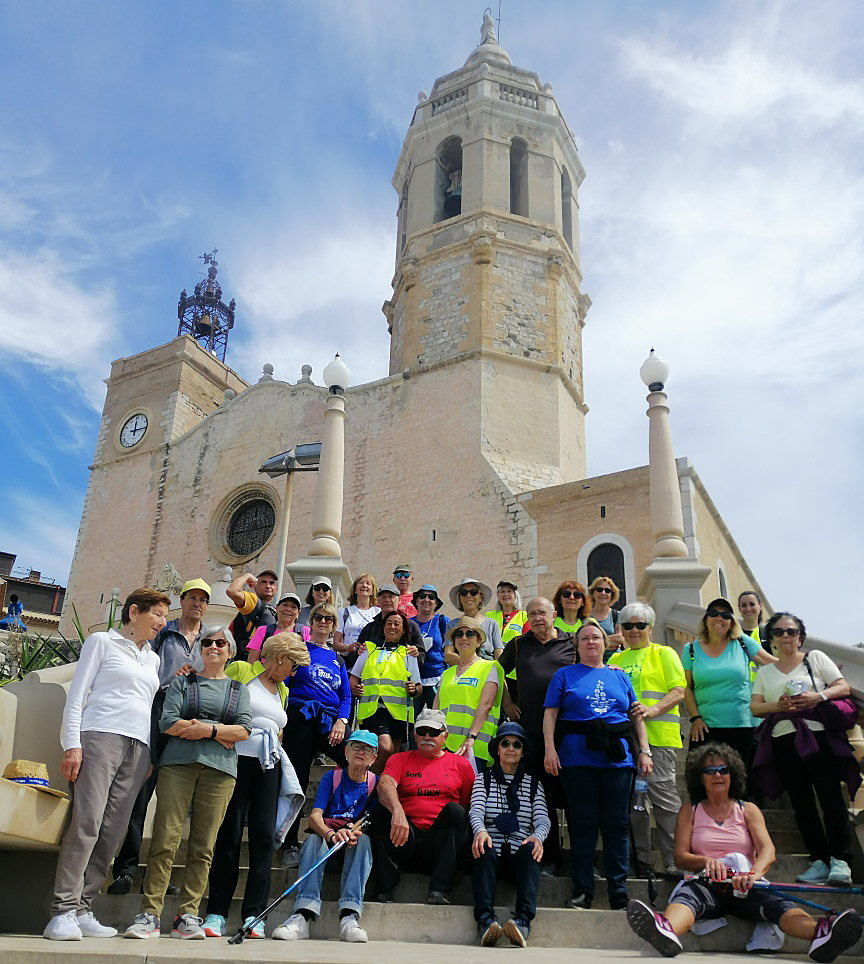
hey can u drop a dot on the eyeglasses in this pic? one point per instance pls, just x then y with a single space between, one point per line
466 633
639 626
361 747
779 633
321 588
426 731
218 643
516 744
322 618
469 592
426 595
710 770
571 594
603 589
719 614
401 575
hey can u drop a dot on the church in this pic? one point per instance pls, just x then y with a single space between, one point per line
468 459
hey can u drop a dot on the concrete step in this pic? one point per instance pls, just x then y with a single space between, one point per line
424 924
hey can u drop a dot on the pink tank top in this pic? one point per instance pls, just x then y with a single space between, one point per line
732 836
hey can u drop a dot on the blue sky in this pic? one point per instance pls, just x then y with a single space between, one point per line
722 222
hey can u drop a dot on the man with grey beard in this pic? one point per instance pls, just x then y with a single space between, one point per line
422 822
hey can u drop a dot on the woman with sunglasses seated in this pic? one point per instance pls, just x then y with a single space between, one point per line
810 758
470 692
510 822
657 677
319 705
720 836
717 668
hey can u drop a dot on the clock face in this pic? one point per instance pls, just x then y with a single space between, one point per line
133 430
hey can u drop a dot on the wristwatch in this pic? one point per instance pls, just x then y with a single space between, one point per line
822 694
342 720
646 752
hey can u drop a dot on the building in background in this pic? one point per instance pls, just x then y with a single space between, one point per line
42 598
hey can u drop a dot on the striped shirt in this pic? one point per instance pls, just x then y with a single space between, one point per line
485 808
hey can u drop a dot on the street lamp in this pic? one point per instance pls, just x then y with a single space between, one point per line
667 518
302 458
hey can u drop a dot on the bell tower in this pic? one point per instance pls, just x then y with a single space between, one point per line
487 260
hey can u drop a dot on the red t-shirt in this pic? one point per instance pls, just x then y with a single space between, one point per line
425 785
406 604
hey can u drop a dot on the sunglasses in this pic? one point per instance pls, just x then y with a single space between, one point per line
321 588
779 633
426 595
467 633
603 589
571 594
719 614
469 592
516 744
426 731
401 575
710 770
639 626
218 643
322 618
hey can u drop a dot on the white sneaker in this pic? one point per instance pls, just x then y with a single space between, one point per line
63 927
90 927
296 928
144 926
187 927
816 873
839 872
351 931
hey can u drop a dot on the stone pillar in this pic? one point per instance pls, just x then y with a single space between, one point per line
673 581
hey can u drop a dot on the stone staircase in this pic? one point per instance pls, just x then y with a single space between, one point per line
409 919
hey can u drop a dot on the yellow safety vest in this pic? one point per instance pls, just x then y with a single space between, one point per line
663 730
384 676
517 625
459 698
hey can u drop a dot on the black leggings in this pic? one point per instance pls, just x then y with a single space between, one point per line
709 901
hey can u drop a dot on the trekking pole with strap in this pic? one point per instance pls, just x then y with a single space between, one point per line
246 929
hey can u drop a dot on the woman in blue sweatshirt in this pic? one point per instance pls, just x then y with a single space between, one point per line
319 704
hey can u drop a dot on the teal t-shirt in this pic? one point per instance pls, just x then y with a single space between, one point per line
722 685
206 751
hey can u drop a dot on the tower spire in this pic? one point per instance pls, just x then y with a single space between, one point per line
205 316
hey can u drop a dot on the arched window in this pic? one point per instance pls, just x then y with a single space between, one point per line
566 208
607 560
402 217
448 179
519 177
721 579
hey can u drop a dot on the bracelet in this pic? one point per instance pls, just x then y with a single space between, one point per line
694 718
471 736
327 835
213 734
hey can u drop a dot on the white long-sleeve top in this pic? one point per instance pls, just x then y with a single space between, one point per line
112 690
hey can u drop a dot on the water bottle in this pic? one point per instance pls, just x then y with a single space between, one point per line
640 795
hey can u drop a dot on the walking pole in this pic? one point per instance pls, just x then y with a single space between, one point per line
772 885
246 929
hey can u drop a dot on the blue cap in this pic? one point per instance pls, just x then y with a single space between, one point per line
364 736
509 729
428 588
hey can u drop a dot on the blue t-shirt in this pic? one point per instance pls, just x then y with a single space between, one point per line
721 686
434 664
582 694
348 800
324 681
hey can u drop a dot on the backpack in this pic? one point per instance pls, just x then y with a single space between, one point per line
532 790
229 707
741 643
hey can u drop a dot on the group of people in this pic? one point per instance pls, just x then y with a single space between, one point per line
455 740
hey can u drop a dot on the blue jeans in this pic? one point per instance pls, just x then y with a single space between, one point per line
355 873
598 799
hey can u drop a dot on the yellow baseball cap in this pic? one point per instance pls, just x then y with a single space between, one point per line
191 584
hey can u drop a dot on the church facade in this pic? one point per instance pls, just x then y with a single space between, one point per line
469 458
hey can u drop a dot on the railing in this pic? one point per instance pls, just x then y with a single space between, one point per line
515 95
448 101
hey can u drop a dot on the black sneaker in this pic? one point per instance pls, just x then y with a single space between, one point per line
489 931
579 902
835 935
384 897
618 901
120 885
438 897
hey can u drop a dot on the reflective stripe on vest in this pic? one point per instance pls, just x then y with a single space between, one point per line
665 729
384 676
459 698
